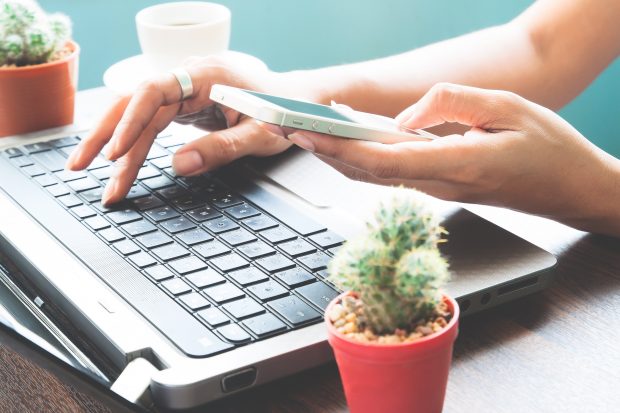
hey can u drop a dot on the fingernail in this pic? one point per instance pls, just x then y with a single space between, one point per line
109 191
187 163
302 141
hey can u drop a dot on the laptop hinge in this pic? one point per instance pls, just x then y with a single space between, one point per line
133 383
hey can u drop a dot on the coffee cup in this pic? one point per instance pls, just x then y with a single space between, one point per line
171 32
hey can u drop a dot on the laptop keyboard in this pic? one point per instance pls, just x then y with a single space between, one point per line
241 271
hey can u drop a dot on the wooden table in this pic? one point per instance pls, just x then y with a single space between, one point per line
558 350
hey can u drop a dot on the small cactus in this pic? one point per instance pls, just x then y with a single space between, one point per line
29 36
395 267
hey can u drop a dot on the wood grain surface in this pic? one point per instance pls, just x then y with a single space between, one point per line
555 351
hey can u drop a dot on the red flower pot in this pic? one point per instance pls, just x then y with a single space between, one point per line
395 378
38 97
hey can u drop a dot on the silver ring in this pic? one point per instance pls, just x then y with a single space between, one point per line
185 81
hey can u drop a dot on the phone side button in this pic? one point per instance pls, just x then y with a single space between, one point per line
315 125
331 128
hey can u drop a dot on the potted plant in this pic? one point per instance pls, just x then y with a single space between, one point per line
38 68
393 331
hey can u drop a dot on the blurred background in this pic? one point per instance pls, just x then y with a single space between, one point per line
290 34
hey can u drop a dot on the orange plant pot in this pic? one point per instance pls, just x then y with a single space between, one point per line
395 378
39 96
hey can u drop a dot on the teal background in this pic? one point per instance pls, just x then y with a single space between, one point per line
293 34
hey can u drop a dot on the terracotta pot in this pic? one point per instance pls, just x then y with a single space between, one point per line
409 377
39 96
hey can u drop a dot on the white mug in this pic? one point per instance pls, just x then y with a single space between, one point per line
171 32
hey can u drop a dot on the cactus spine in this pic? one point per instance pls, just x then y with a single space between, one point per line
395 267
29 36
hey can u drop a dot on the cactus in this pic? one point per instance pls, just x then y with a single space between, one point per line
395 266
29 36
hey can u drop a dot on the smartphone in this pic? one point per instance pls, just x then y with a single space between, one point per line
337 120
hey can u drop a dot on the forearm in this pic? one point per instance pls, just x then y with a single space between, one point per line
549 54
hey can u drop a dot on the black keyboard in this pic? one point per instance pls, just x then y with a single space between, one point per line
238 271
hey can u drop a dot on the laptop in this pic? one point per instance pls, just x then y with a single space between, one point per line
200 288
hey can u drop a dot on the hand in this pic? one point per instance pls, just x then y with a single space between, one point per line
129 127
517 154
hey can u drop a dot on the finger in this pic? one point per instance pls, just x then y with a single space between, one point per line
90 147
482 108
222 147
126 167
404 160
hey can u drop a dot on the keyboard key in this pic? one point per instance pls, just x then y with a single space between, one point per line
162 213
147 202
159 273
318 294
234 334
124 216
191 201
58 190
70 200
21 161
334 250
194 236
170 252
326 239
229 262
276 262
213 316
211 249
256 249
260 223
142 259
111 235
187 265
268 290
237 237
172 140
163 163
176 286
13 152
295 277
173 192
51 160
177 225
297 247
316 261
148 172
243 308
242 211
278 234
205 278
220 225
136 192
294 310
194 301
156 151
37 147
264 324
154 239
92 195
223 292
126 247
137 228
45 180
204 213
248 276
68 176
33 170
83 184
98 163
158 182
66 141
226 200
83 211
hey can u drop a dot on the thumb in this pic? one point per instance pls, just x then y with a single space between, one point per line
471 106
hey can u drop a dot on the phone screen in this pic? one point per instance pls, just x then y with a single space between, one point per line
304 107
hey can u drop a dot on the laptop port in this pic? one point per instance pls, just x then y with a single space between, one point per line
485 299
239 380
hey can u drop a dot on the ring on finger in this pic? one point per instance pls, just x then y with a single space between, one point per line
185 82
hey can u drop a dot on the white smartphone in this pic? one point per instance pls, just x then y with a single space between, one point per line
337 120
